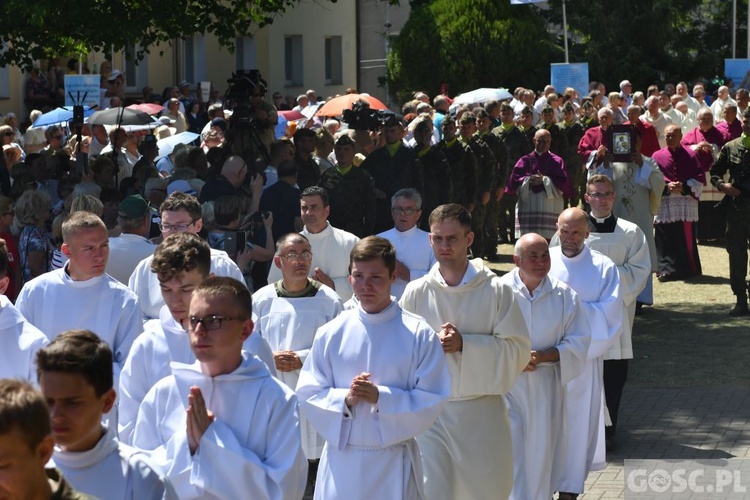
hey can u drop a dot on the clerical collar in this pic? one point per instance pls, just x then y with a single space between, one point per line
605 225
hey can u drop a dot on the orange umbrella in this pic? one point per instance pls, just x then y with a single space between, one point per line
337 105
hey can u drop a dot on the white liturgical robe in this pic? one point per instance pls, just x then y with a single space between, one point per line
55 303
162 342
251 449
370 450
330 248
414 251
467 452
19 343
111 470
595 278
556 319
145 283
289 324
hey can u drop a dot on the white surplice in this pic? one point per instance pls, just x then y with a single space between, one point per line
414 251
595 278
370 450
628 249
145 284
55 303
330 248
163 341
111 470
19 343
555 318
251 449
467 453
289 324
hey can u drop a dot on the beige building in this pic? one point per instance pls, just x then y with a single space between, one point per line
313 45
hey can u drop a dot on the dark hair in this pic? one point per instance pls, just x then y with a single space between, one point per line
316 191
223 286
80 352
287 168
181 252
451 211
468 117
228 208
23 408
290 237
373 248
4 261
182 201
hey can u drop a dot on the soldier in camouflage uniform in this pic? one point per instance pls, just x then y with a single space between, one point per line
735 159
351 191
462 164
486 166
573 131
394 166
517 145
500 152
438 181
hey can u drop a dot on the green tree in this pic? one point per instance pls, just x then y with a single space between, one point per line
469 44
35 29
647 42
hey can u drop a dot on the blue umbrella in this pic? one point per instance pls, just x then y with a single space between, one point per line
59 115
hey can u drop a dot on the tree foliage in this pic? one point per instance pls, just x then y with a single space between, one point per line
469 44
647 42
35 29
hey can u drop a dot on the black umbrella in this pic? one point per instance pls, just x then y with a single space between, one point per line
120 116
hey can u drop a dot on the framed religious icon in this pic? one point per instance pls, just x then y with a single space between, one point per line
620 141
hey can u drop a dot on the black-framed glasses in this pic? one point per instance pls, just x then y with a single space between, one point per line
210 322
598 196
404 211
297 257
180 228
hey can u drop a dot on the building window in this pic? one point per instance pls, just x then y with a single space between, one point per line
244 52
136 72
333 60
193 59
293 61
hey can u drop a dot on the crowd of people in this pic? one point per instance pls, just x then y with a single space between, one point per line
311 313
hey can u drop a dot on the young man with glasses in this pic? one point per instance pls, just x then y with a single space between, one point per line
180 263
287 314
415 257
223 427
180 213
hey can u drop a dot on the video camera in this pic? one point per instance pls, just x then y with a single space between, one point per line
243 86
362 117
235 241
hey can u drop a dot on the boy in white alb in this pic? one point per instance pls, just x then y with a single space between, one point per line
81 295
181 262
374 379
223 427
19 339
75 375
180 213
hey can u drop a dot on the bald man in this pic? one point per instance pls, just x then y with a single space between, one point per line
595 278
560 338
232 175
541 182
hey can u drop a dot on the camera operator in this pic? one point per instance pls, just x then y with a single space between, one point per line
238 239
228 182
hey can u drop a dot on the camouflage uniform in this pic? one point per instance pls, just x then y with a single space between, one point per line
463 171
352 200
517 145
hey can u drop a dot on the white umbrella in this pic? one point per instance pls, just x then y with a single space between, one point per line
482 95
167 145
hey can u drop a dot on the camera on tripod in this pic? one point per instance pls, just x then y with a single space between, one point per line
362 117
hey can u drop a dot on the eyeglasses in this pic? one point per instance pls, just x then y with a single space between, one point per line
176 227
211 322
404 211
297 257
598 196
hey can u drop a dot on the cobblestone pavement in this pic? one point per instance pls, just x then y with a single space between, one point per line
674 423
